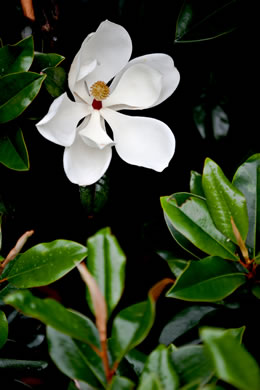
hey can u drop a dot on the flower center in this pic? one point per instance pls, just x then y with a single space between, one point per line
99 90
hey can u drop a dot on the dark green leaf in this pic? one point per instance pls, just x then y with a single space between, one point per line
94 197
196 184
45 263
160 364
106 262
176 265
46 60
21 365
233 363
16 58
247 180
199 21
224 201
182 322
52 313
75 359
151 383
207 280
55 81
17 92
3 329
13 151
192 364
121 383
136 359
190 216
130 327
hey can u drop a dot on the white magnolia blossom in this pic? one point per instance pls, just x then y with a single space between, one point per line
137 84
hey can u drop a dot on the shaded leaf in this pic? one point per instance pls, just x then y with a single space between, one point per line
46 60
55 81
176 265
182 322
94 197
75 359
45 263
13 151
150 383
17 92
159 363
21 365
137 360
196 184
233 363
106 262
16 58
224 201
190 216
207 280
247 180
52 313
3 328
121 383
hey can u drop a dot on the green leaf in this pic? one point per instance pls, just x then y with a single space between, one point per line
256 291
16 58
13 151
200 21
55 81
52 313
136 360
17 92
21 365
75 359
45 263
233 363
46 60
160 364
247 180
182 322
3 328
196 184
94 197
224 201
150 383
106 262
121 383
176 265
192 364
190 216
130 327
207 280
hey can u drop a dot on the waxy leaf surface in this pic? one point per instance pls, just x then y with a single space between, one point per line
121 383
13 151
224 201
3 328
45 263
16 58
17 92
207 280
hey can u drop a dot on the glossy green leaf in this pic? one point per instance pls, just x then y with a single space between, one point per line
224 201
136 360
106 262
52 313
256 291
190 216
55 81
75 359
160 364
45 263
13 151
192 364
207 280
94 197
130 327
196 184
233 363
200 21
22 365
121 383
150 383
17 92
46 60
176 265
16 58
182 322
3 329
247 180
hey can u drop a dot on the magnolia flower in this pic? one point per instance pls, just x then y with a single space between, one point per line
137 84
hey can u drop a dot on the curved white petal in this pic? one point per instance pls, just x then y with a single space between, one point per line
59 125
141 141
139 87
84 165
110 46
162 63
94 134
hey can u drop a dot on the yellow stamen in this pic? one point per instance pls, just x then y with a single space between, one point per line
99 90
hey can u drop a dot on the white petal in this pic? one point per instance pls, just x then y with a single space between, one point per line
94 134
139 87
59 125
110 46
141 141
84 165
162 63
